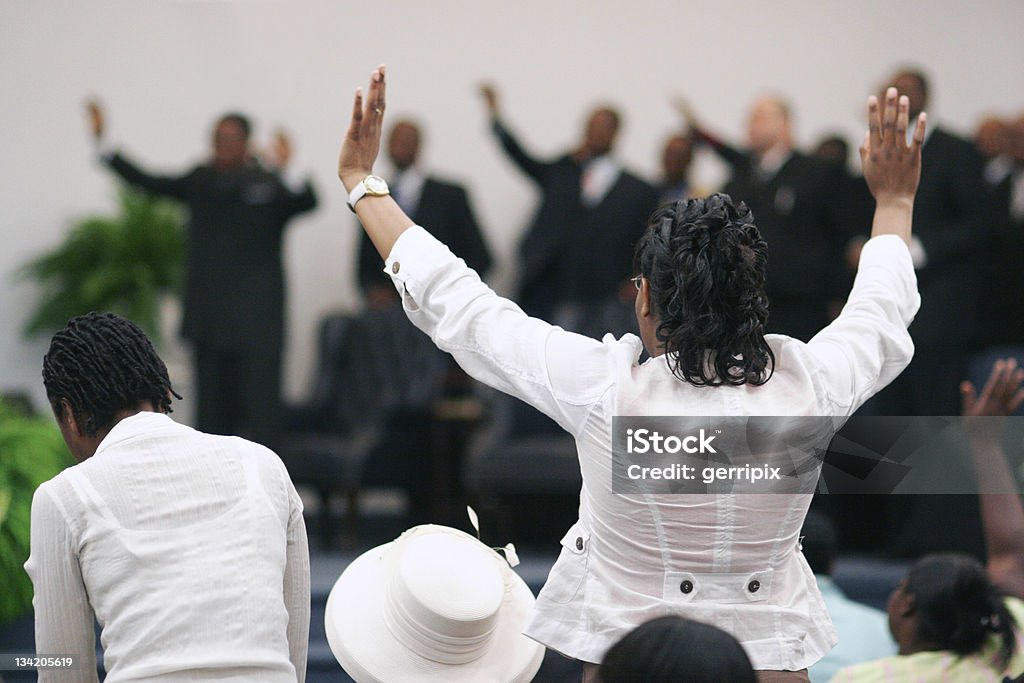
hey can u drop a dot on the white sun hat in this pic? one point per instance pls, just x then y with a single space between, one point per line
434 605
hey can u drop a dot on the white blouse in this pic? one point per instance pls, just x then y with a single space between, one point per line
627 557
189 548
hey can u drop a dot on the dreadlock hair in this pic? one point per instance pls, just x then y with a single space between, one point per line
958 607
705 261
101 364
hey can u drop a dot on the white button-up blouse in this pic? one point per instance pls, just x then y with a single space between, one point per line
632 557
189 548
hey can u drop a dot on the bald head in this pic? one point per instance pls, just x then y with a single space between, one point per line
992 137
832 149
676 157
601 130
913 84
404 144
769 125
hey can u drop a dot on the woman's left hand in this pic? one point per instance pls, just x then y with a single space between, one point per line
362 142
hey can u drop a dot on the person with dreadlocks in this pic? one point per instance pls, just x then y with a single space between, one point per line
189 549
726 559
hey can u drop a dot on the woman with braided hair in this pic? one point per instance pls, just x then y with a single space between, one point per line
97 367
189 549
726 559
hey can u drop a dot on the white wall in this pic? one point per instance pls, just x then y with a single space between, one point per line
166 69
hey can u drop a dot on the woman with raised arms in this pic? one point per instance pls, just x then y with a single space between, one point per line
729 560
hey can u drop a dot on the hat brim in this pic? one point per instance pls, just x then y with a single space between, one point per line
369 653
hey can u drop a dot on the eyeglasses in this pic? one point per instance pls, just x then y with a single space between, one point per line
636 281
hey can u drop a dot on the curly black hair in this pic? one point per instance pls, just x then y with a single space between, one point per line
101 364
706 261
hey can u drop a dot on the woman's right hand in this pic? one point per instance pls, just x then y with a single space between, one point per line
892 168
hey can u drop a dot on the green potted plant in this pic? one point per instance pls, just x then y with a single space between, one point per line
123 264
31 452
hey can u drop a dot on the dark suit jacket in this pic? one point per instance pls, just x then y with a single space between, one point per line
804 213
571 253
234 280
950 221
1003 288
444 210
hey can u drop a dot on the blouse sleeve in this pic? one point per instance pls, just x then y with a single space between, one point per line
296 585
64 617
560 373
868 345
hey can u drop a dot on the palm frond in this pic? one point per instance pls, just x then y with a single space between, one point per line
122 263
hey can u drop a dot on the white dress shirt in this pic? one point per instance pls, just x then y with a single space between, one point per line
624 561
407 189
599 175
189 548
1017 196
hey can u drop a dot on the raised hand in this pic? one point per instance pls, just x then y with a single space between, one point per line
1001 396
892 168
280 152
362 141
1002 516
97 120
490 95
682 105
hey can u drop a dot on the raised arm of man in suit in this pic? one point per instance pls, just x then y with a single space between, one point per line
169 186
527 163
736 158
297 196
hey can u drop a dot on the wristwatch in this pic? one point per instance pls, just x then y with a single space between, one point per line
370 185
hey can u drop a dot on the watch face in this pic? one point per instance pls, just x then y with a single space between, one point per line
375 185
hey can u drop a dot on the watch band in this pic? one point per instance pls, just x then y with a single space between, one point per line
357 193
361 189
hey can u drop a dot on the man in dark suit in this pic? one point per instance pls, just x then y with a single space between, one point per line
444 209
578 250
1004 275
676 159
234 280
802 207
950 238
441 207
